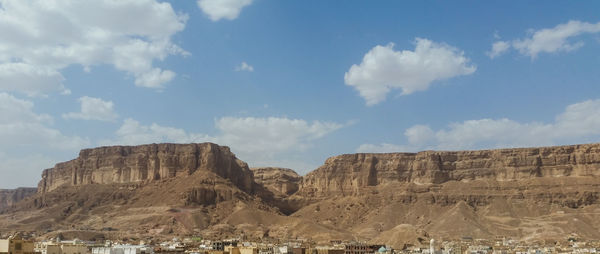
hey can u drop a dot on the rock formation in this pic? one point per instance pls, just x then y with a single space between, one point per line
348 174
280 181
10 197
167 189
146 163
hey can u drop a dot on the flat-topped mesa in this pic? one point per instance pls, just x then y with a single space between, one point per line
131 164
347 174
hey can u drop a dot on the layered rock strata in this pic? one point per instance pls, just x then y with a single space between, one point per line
280 181
348 174
10 197
146 163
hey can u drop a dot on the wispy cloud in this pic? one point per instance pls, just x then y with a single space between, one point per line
244 67
223 9
548 40
580 122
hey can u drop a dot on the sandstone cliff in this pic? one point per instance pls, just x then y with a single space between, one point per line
181 190
10 197
348 174
146 163
280 181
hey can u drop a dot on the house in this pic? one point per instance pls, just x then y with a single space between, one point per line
16 245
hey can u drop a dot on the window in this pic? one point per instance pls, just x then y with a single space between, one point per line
18 246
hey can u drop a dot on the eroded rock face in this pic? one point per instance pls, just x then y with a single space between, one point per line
535 193
131 164
348 174
281 181
10 197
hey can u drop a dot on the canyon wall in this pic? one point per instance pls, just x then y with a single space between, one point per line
347 174
145 163
281 181
10 197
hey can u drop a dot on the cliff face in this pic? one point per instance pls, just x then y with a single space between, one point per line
348 174
132 164
10 197
167 189
280 181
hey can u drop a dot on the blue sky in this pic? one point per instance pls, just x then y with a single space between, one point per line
290 83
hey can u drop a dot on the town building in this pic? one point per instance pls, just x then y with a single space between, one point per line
16 245
123 249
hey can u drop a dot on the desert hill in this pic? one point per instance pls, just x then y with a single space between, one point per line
401 199
281 181
11 197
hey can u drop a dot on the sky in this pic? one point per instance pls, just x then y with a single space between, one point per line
291 83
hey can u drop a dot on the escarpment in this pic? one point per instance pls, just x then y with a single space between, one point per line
146 163
179 189
10 197
348 174
281 181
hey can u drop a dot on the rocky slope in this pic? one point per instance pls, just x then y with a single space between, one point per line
10 197
399 198
280 181
527 193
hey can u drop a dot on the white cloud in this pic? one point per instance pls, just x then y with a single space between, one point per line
20 127
498 48
383 69
31 80
383 148
244 67
550 40
29 142
154 78
419 134
497 35
223 9
134 133
258 141
22 171
43 37
264 136
579 123
93 109
555 39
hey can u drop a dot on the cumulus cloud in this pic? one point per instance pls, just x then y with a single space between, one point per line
133 132
43 37
259 141
31 80
29 142
383 69
579 123
244 67
23 171
223 9
93 109
498 48
21 127
269 135
550 40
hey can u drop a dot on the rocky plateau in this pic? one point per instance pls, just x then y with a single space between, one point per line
401 199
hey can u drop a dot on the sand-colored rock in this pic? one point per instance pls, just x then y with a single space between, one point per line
348 174
12 196
146 163
280 181
399 199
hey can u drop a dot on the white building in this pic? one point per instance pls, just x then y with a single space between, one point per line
124 249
